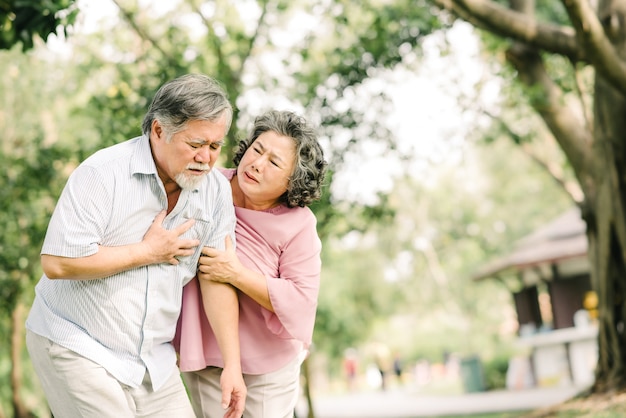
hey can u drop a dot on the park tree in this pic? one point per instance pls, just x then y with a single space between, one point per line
585 119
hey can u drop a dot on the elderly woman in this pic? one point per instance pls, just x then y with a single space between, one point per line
275 270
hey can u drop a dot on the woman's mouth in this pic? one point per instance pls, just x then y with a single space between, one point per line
250 177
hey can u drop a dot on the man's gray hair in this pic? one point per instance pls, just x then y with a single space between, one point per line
187 98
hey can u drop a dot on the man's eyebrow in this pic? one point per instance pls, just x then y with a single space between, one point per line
201 141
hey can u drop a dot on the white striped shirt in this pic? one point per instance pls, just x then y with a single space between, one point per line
124 322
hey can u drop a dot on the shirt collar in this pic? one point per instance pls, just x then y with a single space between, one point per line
142 161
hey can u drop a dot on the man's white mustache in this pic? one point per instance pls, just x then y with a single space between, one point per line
198 166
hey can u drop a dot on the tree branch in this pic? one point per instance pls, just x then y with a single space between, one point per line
215 42
234 74
572 135
599 49
260 25
455 10
518 26
587 114
571 188
128 16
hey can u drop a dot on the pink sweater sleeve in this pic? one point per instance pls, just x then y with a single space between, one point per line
294 294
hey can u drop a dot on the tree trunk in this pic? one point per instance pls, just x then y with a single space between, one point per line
306 373
605 214
606 229
17 334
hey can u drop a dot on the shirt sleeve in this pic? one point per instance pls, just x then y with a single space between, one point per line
224 216
79 219
294 294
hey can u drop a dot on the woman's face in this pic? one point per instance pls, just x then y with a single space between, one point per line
265 168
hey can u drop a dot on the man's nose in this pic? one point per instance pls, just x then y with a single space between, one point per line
203 155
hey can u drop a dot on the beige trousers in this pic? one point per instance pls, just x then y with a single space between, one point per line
77 387
270 395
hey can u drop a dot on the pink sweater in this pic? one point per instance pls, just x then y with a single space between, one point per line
283 244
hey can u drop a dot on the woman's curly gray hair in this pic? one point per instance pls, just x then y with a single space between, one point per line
305 184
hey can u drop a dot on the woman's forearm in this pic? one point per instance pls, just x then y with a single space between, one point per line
254 284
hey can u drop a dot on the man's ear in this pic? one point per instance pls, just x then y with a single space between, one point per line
157 130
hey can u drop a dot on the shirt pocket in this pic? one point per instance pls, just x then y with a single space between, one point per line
200 230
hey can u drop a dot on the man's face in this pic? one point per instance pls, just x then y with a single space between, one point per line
190 154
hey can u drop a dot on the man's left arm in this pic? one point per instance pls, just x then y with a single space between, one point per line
221 306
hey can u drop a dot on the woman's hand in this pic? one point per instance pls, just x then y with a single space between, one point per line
219 266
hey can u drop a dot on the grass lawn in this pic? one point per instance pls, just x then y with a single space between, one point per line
597 406
594 406
491 415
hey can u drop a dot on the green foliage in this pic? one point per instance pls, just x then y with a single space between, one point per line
353 297
117 111
368 35
337 218
494 371
417 268
36 162
24 193
21 21
33 172
362 41
5 367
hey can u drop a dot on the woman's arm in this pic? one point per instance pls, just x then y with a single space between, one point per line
289 301
225 267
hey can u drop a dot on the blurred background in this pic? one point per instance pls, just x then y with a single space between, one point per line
440 172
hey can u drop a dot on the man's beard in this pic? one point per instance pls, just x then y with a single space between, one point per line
191 181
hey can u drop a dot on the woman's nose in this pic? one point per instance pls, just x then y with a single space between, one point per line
259 163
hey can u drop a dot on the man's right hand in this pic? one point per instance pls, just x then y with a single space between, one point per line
164 246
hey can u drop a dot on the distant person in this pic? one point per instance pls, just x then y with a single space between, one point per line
397 367
350 365
383 374
382 359
276 269
124 239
